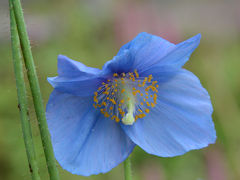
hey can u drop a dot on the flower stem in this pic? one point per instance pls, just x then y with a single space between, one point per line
35 89
127 169
22 97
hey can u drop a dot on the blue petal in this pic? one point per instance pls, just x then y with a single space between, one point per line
181 53
120 63
75 78
181 120
146 51
143 50
84 142
79 86
70 68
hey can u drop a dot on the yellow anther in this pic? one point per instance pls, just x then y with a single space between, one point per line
115 90
148 104
143 83
123 74
104 103
108 80
133 88
146 97
141 94
113 101
99 88
115 75
112 93
115 80
106 114
107 98
117 119
151 96
116 85
122 101
154 89
123 90
106 92
157 86
111 108
144 100
95 100
147 110
149 78
155 98
136 73
154 82
94 105
141 115
122 113
140 110
112 86
137 91
136 117
95 93
152 104
141 103
103 83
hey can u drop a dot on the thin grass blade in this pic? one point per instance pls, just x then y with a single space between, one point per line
35 89
22 98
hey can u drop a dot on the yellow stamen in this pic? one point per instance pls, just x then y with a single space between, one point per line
136 73
147 110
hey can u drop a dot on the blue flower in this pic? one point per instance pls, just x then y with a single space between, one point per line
141 97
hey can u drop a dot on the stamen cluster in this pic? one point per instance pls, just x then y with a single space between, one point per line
126 94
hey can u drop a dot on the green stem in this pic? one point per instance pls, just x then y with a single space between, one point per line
35 89
127 169
22 97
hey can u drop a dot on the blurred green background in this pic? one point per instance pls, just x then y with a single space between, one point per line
92 32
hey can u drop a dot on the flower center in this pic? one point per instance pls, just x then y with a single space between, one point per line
126 97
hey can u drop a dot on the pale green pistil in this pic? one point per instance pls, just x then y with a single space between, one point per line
129 119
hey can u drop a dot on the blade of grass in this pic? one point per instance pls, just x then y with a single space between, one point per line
22 97
35 89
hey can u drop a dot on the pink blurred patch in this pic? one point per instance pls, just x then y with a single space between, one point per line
216 165
152 171
133 18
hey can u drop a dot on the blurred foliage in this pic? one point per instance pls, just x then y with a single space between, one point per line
72 28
